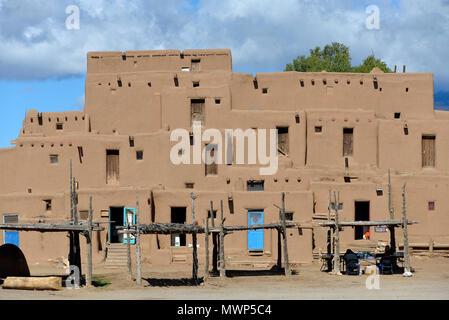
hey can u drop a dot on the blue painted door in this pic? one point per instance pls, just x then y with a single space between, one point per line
129 214
11 236
255 237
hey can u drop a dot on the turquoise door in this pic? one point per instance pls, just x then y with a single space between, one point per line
255 237
11 236
129 214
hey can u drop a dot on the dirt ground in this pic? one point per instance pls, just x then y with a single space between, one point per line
430 281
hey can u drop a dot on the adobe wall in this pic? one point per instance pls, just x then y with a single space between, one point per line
144 95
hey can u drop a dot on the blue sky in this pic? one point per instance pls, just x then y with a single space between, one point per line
43 65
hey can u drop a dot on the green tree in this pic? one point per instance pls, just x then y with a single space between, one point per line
369 63
333 58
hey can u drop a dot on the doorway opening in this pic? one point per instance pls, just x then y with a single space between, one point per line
361 214
178 215
115 220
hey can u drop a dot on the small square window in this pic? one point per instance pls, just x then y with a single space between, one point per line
139 155
59 126
54 158
397 115
431 205
189 185
185 69
301 82
47 205
217 101
196 84
265 90
318 129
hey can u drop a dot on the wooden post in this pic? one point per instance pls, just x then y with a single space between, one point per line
391 211
329 233
212 213
194 245
222 235
206 247
407 269
214 241
337 236
76 235
284 231
195 259
89 245
279 262
128 246
138 262
71 253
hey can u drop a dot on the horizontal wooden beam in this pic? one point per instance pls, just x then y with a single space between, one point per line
48 227
397 223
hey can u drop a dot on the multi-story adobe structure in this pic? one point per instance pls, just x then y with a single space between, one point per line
339 131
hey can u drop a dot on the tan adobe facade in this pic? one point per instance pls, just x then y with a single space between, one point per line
339 131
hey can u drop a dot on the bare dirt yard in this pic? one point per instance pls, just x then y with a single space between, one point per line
430 281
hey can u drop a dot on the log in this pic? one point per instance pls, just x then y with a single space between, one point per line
284 232
206 246
89 246
337 237
222 235
33 283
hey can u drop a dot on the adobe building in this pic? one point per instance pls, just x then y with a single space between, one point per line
336 131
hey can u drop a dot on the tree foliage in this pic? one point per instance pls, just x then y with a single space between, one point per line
334 58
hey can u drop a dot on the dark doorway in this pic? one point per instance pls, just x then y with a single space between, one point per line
115 219
361 214
178 215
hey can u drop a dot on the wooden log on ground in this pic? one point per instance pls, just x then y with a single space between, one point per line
33 283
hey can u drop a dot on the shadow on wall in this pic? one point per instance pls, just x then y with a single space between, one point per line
12 262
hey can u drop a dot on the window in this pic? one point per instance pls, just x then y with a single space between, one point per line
195 65
214 214
59 126
84 214
301 82
431 205
189 185
217 101
196 84
264 90
178 215
288 216
297 119
348 138
211 167
318 129
112 166
255 185
80 154
428 151
191 138
185 69
197 110
131 141
54 158
256 85
139 155
47 204
283 140
340 206
176 81
397 115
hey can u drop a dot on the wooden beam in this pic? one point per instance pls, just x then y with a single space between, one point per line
33 283
48 227
89 246
138 258
222 235
128 247
397 223
329 232
407 268
391 211
279 261
284 231
194 245
337 236
206 247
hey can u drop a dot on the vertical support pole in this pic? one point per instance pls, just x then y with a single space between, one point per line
214 241
407 269
76 235
329 233
71 253
206 246
279 262
138 261
337 236
284 231
128 246
222 235
212 213
89 245
194 245
391 211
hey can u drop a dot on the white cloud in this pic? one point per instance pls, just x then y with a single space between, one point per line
262 34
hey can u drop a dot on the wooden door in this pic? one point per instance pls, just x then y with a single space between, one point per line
112 166
348 137
428 151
